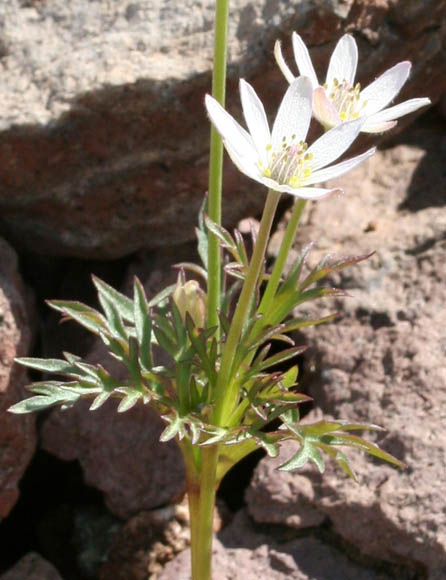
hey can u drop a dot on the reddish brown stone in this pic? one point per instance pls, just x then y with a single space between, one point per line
107 153
17 433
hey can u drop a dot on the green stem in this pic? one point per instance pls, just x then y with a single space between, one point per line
287 242
216 164
201 495
226 391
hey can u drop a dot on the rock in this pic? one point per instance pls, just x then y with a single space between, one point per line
146 542
32 567
104 139
381 362
120 453
243 553
17 433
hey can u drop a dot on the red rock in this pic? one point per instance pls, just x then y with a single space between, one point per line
17 433
382 361
32 567
104 143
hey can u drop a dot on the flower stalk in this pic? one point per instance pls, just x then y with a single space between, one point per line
216 163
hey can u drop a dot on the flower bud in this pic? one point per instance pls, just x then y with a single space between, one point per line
189 297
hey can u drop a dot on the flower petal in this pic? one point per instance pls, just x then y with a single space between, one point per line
232 133
333 143
244 162
338 169
384 89
395 112
303 192
303 60
286 71
378 127
294 114
256 120
324 110
343 61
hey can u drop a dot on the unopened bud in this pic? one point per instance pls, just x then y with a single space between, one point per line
189 297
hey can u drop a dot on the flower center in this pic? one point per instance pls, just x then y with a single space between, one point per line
289 164
345 98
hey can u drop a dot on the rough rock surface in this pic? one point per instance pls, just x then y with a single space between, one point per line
104 139
382 361
32 567
17 433
244 553
120 453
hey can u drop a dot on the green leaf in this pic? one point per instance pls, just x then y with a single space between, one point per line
50 365
159 298
100 400
282 356
329 265
143 325
49 395
87 317
122 304
223 235
307 452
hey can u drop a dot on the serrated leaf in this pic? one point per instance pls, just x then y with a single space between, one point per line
328 266
122 304
87 317
307 452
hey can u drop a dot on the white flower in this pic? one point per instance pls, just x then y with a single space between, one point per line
340 99
281 160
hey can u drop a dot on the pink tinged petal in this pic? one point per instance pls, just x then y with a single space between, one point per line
384 89
303 60
324 110
333 143
286 71
232 133
256 120
378 127
395 112
294 115
338 169
343 61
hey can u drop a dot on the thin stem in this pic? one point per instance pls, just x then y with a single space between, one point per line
287 242
216 165
226 394
201 494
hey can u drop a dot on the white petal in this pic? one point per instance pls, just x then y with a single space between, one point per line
303 60
303 192
333 143
379 127
233 134
294 114
245 163
256 120
338 169
343 61
324 110
313 192
395 112
282 64
384 89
